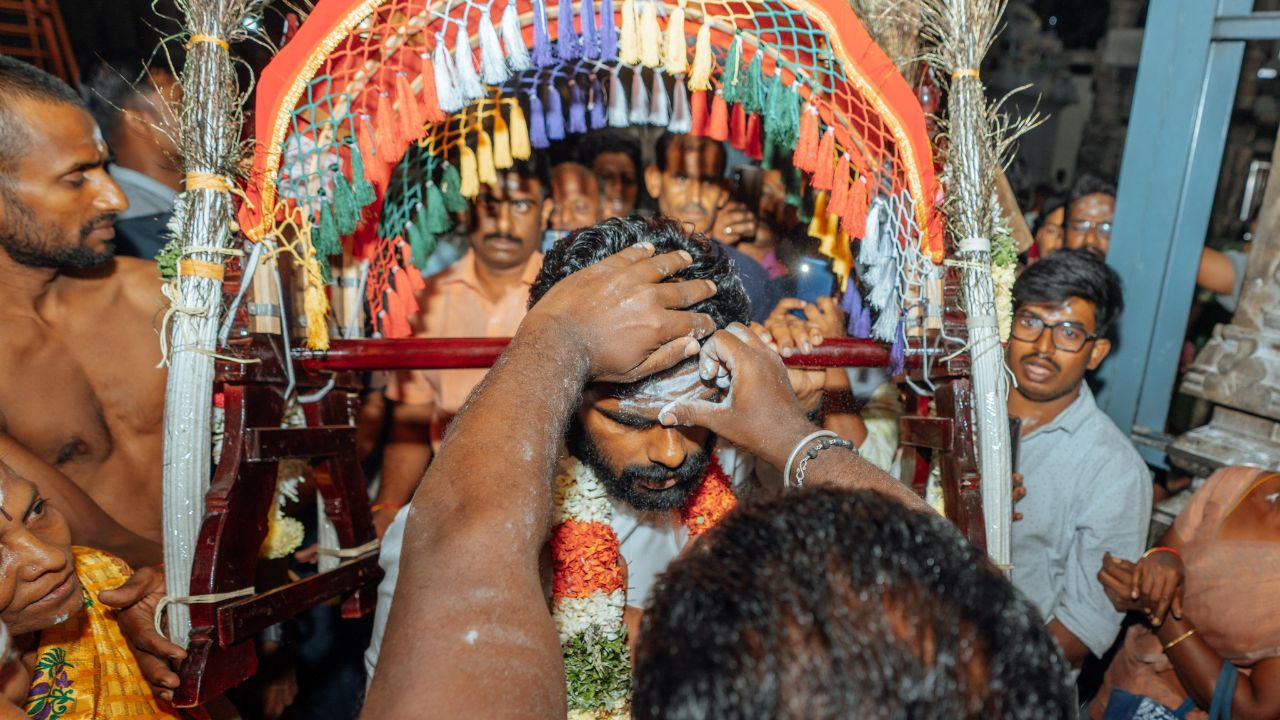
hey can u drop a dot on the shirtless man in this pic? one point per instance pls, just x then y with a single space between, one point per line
81 398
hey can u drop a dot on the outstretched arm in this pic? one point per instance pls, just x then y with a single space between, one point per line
469 633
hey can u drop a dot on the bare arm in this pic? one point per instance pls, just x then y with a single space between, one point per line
90 524
1216 273
469 612
404 461
1074 650
1197 666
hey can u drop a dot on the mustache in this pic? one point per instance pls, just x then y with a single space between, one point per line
503 236
692 468
105 219
1042 358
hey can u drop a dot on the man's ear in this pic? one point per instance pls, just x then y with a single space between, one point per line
1101 348
653 180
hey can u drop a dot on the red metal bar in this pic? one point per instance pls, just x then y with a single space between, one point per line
455 353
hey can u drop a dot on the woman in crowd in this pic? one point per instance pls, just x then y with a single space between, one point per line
1209 594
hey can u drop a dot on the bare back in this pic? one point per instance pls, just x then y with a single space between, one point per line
82 390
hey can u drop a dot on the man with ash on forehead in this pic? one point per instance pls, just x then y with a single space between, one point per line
648 471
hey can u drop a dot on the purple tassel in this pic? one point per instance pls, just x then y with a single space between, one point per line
862 330
537 122
577 109
555 114
852 304
590 37
608 32
568 39
596 105
897 353
541 41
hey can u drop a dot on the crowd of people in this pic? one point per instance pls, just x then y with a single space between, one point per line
639 476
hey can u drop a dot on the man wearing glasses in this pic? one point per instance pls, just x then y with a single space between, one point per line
1089 215
1088 489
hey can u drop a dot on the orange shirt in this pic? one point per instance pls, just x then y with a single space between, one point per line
453 305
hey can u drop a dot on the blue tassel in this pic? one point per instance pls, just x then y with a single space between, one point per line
862 329
541 41
577 109
852 304
596 105
590 36
555 114
897 353
568 39
608 32
537 122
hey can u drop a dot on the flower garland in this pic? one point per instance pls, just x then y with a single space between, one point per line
589 591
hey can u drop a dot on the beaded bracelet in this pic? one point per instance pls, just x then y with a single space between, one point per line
823 444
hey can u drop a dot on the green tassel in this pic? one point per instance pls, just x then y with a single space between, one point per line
795 186
325 237
805 210
363 190
732 78
770 149
437 219
452 184
322 262
791 128
345 211
751 94
420 241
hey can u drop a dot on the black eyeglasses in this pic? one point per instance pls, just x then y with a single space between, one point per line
1067 336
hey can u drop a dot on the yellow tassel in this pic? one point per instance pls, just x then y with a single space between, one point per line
316 306
628 43
486 172
470 183
501 142
650 36
703 62
520 149
676 61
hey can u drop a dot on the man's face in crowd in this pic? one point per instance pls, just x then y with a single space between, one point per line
621 180
1046 371
38 583
58 205
1089 223
691 189
575 196
508 219
616 433
1049 237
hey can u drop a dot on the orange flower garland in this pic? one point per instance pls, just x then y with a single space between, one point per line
710 502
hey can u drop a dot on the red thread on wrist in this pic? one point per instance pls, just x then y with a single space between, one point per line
1162 548
385 506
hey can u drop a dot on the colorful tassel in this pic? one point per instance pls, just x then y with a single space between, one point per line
451 184
567 45
650 36
365 194
629 43
501 142
486 171
840 188
755 137
738 127
698 113
408 110
436 220
430 104
596 107
446 90
541 40
608 32
852 305
618 115
555 114
897 354
806 149
862 330
704 63
469 84
752 85
676 56
681 118
493 65
315 305
537 122
420 243
718 125
730 82
590 35
659 103
386 133
577 109
513 40
856 216
345 212
824 177
470 181
639 99
520 148
325 237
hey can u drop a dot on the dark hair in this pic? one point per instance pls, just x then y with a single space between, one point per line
1051 203
1090 184
23 81
114 87
599 142
667 138
591 245
1073 273
581 170
537 167
825 603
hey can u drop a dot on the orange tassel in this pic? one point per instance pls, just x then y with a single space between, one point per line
416 282
824 173
377 169
431 112
408 111
718 125
698 111
806 148
409 303
840 188
755 138
386 133
738 127
855 213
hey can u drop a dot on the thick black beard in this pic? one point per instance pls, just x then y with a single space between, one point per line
29 244
625 486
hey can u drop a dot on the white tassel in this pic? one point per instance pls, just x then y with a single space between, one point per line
468 81
446 92
883 281
493 65
871 250
517 54
887 322
659 103
681 117
618 115
639 99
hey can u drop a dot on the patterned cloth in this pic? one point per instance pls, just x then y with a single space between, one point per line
84 668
